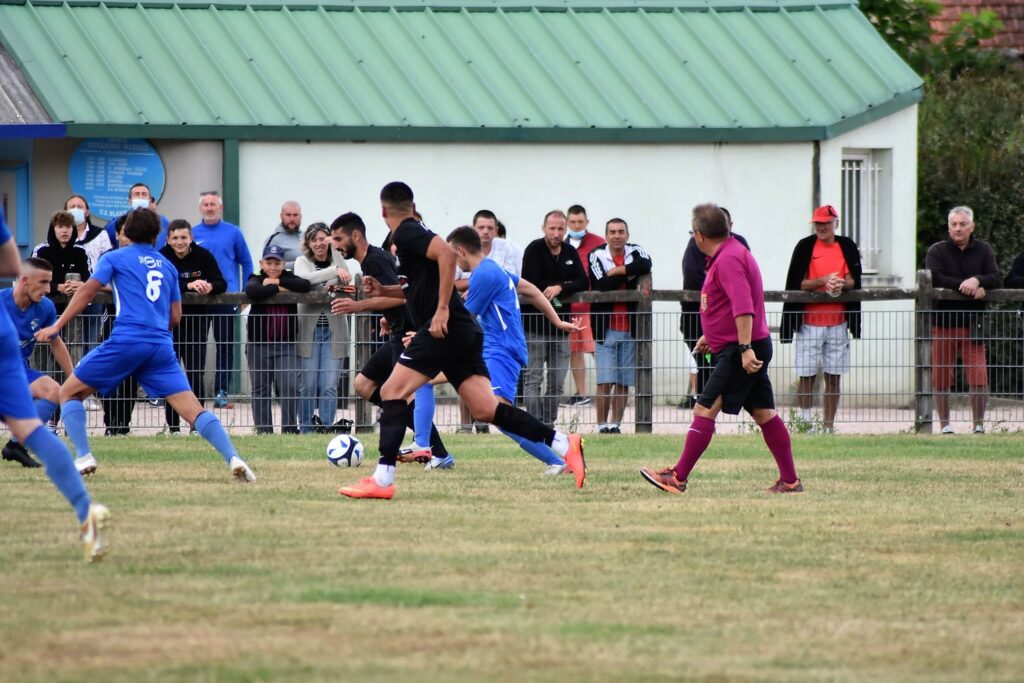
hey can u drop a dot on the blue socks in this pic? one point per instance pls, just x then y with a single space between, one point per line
60 468
210 428
537 449
44 409
423 414
73 417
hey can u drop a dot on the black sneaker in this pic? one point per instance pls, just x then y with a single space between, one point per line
342 426
579 400
604 430
482 428
614 430
15 452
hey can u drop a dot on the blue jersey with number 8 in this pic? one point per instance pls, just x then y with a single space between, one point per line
144 286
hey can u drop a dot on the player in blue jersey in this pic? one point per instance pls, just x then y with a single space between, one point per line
494 299
148 304
19 414
29 310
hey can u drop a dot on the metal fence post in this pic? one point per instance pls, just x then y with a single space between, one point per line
644 360
363 347
924 303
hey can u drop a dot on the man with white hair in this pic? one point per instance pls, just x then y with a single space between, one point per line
959 328
226 242
286 235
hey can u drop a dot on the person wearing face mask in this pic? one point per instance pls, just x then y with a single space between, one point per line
139 197
322 342
198 273
96 242
582 342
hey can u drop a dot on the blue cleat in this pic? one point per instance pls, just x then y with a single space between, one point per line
445 463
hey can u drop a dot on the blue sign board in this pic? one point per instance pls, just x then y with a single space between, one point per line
103 170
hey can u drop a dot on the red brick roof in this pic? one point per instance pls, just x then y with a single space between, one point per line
1011 12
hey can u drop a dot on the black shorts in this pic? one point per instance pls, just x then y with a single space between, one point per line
459 355
737 388
382 362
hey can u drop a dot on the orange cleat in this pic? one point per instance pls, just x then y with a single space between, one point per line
368 488
415 454
665 479
575 461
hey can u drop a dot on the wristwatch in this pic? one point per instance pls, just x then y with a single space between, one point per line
745 347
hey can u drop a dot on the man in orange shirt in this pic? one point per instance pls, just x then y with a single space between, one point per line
822 262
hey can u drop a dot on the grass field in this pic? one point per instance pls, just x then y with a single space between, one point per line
902 562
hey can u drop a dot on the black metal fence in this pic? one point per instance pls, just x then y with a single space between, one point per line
277 373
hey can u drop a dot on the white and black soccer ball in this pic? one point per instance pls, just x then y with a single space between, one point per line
345 450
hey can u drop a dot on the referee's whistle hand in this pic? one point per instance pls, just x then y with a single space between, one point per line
750 362
439 325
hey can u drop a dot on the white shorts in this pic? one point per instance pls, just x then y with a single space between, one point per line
824 347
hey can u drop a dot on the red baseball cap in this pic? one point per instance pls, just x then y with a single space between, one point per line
824 214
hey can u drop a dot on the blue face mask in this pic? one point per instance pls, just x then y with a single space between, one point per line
577 235
139 203
78 215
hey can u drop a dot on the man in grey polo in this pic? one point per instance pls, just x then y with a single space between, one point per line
287 235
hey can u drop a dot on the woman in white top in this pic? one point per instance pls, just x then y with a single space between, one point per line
323 339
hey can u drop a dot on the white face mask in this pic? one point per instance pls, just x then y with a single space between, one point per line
78 215
140 203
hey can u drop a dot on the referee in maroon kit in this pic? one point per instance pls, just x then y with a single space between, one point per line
735 330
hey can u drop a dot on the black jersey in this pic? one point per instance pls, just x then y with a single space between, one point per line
380 264
420 277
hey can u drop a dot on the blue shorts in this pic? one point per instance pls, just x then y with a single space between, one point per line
15 399
615 357
504 374
31 374
153 364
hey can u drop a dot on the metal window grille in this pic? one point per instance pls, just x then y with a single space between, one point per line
859 213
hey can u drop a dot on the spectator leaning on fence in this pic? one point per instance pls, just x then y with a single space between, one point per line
554 267
695 270
582 342
322 337
69 261
286 235
227 244
618 265
198 273
822 262
960 327
271 330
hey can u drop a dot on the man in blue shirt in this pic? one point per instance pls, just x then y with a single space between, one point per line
228 245
29 309
19 414
148 302
494 299
139 197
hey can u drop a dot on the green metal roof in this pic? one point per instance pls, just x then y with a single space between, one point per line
662 70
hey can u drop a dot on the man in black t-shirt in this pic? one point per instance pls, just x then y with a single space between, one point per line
447 339
348 233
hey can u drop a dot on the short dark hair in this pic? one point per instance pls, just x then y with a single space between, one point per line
72 197
142 226
119 223
501 228
348 223
467 238
616 220
397 195
485 213
62 218
38 263
576 210
710 221
179 224
132 188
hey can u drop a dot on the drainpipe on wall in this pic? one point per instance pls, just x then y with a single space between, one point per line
816 176
231 182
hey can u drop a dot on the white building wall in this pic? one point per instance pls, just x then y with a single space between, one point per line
767 188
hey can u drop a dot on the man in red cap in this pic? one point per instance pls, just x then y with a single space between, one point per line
822 262
735 330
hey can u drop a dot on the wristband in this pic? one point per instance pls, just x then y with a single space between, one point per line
745 347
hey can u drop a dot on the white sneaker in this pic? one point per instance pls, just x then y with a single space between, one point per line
92 404
552 470
979 429
948 429
240 471
86 464
95 544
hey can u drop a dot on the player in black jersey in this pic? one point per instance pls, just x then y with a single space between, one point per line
348 233
447 340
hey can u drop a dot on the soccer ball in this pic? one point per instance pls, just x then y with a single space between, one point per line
345 450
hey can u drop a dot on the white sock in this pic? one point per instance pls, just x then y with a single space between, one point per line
384 475
614 425
805 414
560 444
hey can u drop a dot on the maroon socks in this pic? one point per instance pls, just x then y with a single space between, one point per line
776 436
697 440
